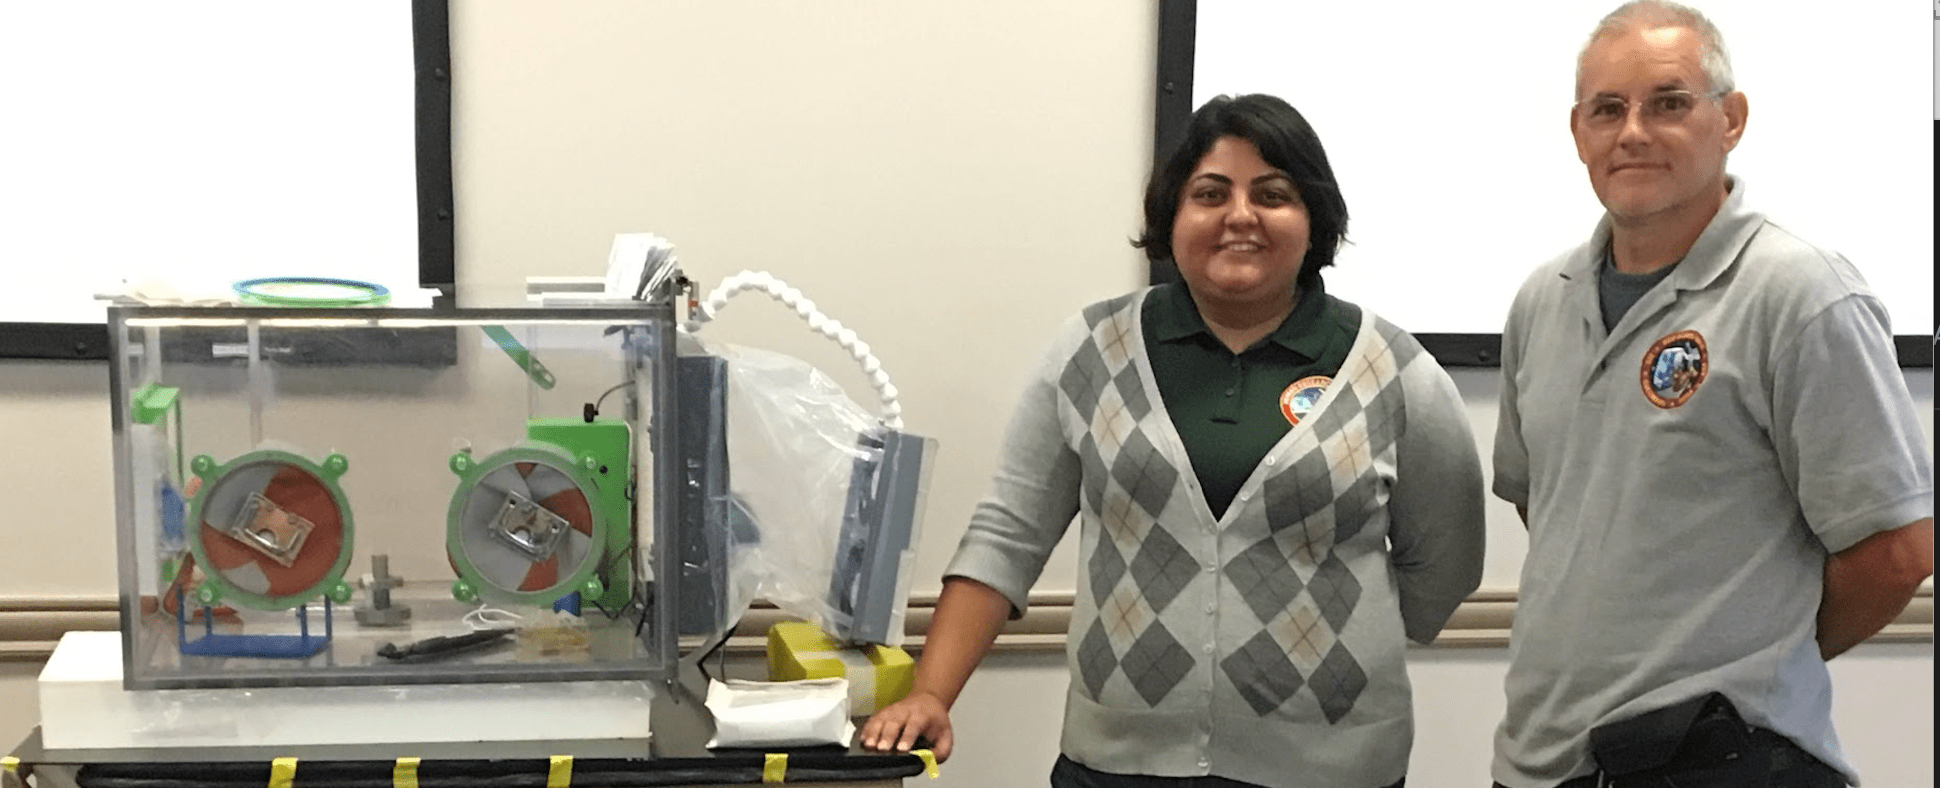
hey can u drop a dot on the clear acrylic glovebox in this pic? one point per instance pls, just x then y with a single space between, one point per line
374 496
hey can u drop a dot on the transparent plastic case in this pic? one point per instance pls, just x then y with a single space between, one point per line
379 496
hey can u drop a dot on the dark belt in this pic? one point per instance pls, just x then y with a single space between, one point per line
1786 759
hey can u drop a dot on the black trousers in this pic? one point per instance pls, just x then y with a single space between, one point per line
1067 773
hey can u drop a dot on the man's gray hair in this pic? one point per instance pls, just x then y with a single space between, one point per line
1652 14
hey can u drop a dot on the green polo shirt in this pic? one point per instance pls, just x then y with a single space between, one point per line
1226 406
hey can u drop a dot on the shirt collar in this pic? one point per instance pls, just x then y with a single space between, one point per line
1718 247
1709 256
1175 317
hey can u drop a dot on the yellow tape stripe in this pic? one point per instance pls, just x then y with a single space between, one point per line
929 762
282 772
405 773
776 769
561 774
10 765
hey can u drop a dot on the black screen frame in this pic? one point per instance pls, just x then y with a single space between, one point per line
1172 108
437 249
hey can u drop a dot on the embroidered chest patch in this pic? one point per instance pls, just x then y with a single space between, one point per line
1673 369
1298 399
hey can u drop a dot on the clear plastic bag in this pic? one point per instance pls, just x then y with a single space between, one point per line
795 444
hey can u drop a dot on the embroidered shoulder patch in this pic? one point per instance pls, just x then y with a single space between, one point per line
1298 399
1673 369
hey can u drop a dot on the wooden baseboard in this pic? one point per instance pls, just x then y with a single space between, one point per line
30 626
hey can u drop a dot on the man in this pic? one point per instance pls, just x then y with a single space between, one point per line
1707 434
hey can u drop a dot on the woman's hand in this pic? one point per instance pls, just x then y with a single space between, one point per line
968 615
897 727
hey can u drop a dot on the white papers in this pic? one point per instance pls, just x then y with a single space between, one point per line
636 264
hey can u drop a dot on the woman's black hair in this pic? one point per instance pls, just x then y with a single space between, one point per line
1285 141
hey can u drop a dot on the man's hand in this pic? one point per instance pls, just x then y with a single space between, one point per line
1869 583
895 728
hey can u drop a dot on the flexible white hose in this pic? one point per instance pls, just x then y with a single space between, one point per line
892 411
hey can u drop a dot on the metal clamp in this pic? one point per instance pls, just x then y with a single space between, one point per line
270 529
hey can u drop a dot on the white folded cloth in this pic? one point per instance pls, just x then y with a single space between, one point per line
804 713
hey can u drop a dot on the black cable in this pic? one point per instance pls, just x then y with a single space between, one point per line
606 569
594 409
731 766
701 661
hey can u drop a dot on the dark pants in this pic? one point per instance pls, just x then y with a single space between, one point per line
1790 767
1067 773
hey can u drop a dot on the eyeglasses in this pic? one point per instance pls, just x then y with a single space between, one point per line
1606 112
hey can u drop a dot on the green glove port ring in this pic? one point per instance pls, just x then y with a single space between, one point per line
310 291
523 527
270 530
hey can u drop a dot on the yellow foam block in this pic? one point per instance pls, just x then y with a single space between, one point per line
878 675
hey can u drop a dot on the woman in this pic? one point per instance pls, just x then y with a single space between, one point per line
1274 486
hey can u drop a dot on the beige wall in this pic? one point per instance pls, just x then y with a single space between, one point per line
57 477
950 180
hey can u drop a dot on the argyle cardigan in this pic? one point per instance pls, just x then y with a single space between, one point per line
1266 646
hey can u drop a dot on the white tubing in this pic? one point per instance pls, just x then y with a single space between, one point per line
892 411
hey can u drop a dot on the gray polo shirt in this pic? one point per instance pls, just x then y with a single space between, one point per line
1687 473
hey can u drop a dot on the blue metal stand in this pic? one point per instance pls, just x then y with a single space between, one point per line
299 646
